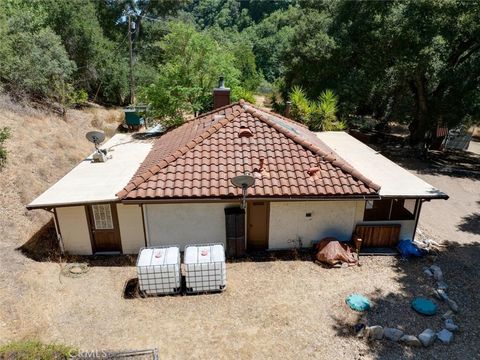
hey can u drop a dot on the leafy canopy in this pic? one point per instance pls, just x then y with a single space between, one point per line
193 62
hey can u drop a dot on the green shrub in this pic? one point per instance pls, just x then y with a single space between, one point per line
4 135
241 93
78 98
320 115
301 107
35 64
28 350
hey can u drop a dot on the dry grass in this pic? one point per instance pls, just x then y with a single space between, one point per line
41 149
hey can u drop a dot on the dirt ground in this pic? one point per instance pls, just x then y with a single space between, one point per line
271 309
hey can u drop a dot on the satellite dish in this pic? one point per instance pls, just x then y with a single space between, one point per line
96 137
244 182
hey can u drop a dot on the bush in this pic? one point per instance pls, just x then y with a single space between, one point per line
34 63
27 350
320 115
4 135
301 106
241 93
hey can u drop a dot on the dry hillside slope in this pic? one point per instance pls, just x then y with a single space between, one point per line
41 149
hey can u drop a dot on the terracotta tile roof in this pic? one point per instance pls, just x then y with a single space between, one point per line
198 159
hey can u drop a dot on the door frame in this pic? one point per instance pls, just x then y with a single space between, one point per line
91 227
267 224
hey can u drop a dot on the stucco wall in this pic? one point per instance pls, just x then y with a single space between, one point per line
288 221
74 229
131 228
184 224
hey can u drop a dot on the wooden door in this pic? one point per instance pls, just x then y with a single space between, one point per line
104 228
258 213
235 231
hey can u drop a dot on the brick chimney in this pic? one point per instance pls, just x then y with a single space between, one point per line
221 94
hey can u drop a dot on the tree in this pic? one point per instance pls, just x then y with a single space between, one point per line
102 66
193 62
34 60
417 61
240 46
271 38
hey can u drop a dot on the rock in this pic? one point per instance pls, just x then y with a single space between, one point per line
437 272
447 315
361 333
427 337
442 285
410 340
392 334
437 294
450 325
452 304
359 329
445 336
374 332
441 294
428 272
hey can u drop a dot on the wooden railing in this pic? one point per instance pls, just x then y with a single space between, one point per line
378 235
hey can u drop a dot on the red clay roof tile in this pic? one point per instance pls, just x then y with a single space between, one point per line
199 158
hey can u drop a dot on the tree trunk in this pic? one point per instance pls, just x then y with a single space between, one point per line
420 125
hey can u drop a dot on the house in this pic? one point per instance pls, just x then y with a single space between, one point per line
176 188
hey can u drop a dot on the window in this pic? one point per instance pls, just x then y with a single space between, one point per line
102 214
403 209
390 209
376 210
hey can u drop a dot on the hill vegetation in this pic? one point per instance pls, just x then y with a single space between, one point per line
411 61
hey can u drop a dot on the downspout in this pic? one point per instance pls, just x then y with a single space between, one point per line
419 207
57 230
145 224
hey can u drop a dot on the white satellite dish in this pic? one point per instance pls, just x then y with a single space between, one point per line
244 182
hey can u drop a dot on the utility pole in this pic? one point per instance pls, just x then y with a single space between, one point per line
132 77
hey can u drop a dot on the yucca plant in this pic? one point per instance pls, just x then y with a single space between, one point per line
324 114
301 106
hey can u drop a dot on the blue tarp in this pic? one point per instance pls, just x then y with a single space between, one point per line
407 248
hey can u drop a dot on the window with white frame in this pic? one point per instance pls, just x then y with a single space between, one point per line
102 215
390 209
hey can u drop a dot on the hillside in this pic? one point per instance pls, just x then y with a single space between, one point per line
41 149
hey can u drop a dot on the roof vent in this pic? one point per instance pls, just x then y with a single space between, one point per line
313 170
244 132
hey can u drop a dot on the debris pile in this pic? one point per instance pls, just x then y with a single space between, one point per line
332 252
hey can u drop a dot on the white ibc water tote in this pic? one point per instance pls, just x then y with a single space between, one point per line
158 270
205 268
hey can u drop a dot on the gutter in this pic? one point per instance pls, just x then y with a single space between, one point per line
273 199
441 196
55 205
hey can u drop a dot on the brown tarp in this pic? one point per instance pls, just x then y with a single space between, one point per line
331 251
